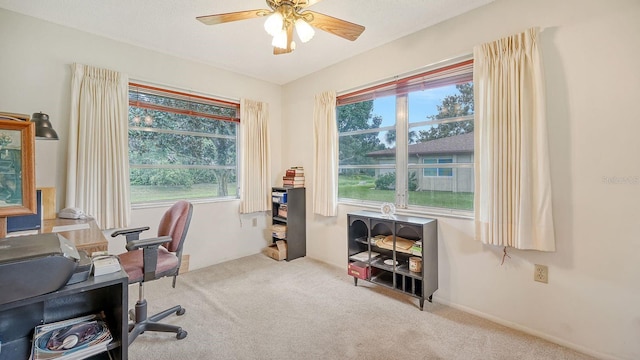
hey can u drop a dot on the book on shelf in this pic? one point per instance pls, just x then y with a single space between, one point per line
285 184
77 338
294 172
293 178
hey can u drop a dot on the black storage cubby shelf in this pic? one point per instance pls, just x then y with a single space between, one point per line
295 220
389 267
106 293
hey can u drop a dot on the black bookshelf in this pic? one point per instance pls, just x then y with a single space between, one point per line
390 268
295 220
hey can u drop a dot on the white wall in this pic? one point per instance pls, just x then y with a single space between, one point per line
591 50
35 60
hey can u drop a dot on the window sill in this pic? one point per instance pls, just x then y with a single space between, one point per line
416 211
162 204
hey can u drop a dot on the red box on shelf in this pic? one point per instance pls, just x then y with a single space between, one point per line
360 270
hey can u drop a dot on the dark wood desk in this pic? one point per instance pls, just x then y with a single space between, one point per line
89 240
105 293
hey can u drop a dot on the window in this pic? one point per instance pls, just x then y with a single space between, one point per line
181 146
437 171
395 137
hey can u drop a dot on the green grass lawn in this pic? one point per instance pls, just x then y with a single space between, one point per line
363 188
352 187
148 193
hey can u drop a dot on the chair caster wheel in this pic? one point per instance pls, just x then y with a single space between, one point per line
181 335
181 312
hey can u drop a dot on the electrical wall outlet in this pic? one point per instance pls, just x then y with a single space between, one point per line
541 273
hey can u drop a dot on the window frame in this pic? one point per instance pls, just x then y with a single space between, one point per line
402 86
195 99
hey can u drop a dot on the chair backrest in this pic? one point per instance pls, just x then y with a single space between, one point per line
175 223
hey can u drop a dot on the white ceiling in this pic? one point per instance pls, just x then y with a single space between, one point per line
169 26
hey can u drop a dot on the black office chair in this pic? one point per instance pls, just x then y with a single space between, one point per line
151 259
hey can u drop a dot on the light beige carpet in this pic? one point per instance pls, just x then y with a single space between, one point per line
258 308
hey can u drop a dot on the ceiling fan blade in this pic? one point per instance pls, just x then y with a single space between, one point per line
342 28
234 16
279 51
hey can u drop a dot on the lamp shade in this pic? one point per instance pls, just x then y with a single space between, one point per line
304 30
44 130
274 23
280 40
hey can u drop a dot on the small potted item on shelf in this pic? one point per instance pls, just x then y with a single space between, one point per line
416 249
415 264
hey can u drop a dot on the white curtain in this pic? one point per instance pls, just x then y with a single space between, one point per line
256 159
512 178
98 155
325 152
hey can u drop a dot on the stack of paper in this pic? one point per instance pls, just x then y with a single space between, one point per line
72 339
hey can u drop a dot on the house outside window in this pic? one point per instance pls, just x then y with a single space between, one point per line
181 146
437 171
395 137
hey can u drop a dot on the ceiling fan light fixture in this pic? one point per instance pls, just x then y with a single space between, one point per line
304 30
283 16
273 24
280 40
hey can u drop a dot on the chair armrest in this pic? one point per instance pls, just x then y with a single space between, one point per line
147 243
131 233
149 254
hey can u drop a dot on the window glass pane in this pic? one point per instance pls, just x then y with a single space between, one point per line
361 144
367 184
366 149
179 149
442 143
445 171
440 131
154 119
162 184
175 155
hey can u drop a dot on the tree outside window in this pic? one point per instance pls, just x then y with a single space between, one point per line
180 146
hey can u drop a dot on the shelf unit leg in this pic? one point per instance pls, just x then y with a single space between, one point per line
355 281
421 304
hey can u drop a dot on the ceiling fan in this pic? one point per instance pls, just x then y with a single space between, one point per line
284 16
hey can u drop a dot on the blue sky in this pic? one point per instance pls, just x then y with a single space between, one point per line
422 104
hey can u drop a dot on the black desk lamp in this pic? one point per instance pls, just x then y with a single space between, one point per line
44 130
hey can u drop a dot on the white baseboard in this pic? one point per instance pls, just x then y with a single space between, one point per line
527 330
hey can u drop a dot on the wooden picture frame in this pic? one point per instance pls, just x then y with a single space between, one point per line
17 166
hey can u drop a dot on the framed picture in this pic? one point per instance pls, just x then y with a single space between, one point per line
17 165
